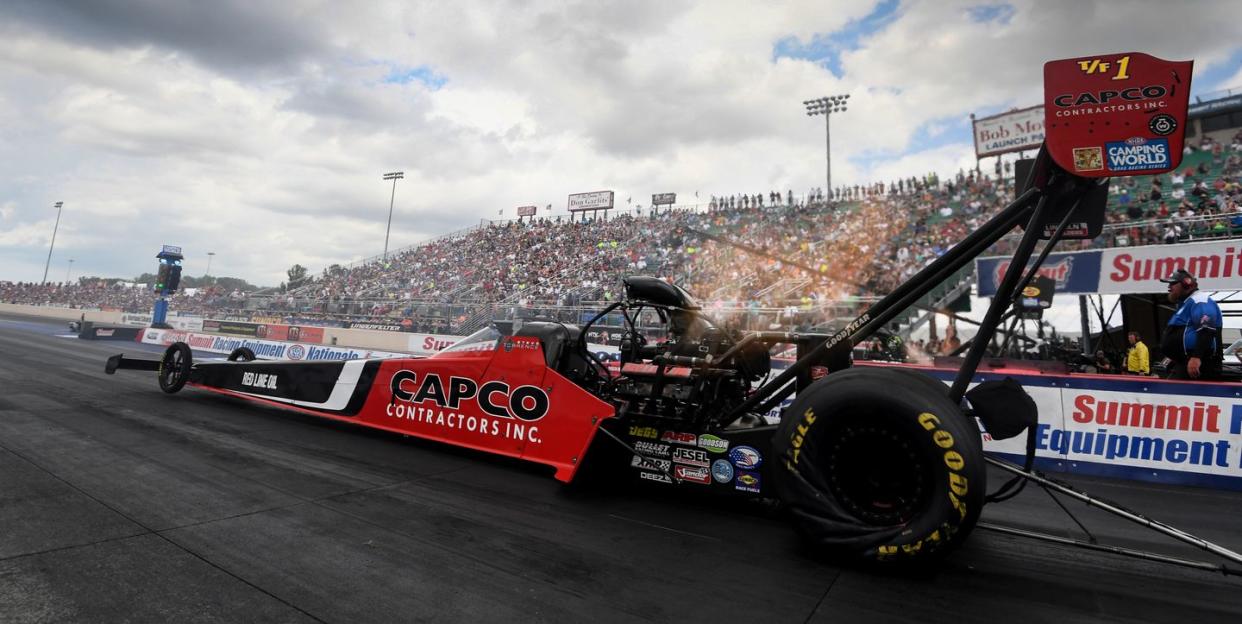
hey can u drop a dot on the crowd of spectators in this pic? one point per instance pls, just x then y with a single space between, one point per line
846 243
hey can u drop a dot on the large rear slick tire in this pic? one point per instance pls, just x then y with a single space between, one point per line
877 466
175 367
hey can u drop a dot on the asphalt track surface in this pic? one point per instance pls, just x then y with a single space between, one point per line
121 503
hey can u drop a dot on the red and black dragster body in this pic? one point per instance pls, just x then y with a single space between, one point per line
881 464
534 393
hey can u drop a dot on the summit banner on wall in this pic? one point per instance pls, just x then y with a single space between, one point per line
1129 270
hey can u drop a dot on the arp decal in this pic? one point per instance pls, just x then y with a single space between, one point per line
678 437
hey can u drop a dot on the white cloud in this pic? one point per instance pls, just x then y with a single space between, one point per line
261 134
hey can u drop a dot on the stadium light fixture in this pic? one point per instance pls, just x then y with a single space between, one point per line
210 256
68 271
48 264
394 176
826 106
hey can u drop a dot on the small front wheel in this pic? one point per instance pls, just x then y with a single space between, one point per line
175 367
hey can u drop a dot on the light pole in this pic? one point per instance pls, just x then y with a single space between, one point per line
826 106
68 271
210 256
394 176
53 245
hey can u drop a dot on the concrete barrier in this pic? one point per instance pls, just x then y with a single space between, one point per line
64 314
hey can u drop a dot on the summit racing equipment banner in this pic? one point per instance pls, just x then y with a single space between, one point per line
263 349
1075 273
1009 132
1136 428
1116 114
1129 270
1217 265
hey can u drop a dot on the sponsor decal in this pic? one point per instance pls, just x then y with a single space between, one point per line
1059 271
104 332
691 456
746 458
679 437
747 482
651 463
1138 154
712 443
509 412
1106 96
658 477
654 449
693 474
799 438
1088 159
1162 124
644 432
722 471
377 327
263 381
296 352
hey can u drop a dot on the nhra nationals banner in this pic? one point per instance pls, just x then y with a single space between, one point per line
1131 428
1217 265
1076 273
1009 132
263 349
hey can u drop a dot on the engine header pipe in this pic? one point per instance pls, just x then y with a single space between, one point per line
884 310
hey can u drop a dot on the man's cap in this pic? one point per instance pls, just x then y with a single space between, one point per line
1179 275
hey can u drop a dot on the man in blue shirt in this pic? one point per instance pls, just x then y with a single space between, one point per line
1192 339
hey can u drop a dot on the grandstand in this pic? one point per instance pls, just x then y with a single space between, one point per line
863 243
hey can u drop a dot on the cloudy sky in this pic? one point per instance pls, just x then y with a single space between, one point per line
260 131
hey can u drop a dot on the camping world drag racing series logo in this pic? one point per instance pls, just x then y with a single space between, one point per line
492 408
1137 154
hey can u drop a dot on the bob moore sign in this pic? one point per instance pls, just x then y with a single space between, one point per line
1009 132
596 200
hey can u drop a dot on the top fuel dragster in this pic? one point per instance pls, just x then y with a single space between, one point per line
880 464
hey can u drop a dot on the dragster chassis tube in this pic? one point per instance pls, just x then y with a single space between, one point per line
1117 510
